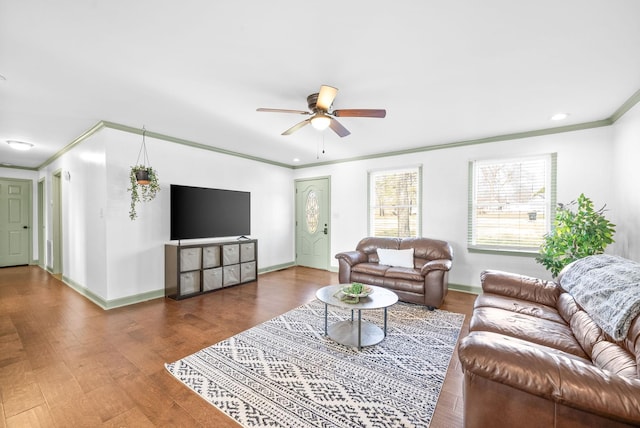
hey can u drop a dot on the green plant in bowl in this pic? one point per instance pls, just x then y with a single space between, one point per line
356 288
353 292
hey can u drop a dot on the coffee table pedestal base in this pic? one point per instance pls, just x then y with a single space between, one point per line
356 332
346 333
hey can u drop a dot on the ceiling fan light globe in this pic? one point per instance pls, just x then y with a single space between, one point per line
320 122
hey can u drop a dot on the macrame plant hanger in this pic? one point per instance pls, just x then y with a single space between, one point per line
142 174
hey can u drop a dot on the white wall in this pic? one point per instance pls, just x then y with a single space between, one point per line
584 159
626 171
135 249
84 184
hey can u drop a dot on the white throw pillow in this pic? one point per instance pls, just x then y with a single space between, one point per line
398 258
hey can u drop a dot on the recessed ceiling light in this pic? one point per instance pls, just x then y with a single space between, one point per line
560 116
19 145
296 160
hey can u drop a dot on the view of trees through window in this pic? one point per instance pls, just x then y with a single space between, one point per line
394 203
511 202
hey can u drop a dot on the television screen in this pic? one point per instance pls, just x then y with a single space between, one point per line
198 212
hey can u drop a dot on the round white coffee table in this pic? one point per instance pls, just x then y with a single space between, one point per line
351 332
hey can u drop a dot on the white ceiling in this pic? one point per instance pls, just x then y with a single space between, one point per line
446 71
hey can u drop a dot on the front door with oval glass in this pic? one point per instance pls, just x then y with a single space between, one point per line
312 223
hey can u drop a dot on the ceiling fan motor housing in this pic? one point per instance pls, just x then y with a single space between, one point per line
312 100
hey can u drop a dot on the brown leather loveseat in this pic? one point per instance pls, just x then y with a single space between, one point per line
534 357
424 280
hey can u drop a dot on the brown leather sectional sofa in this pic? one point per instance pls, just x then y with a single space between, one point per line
535 358
426 283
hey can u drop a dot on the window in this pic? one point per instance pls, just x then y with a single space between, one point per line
511 202
394 202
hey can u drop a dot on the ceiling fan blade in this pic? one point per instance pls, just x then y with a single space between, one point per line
297 126
282 110
338 128
325 97
360 112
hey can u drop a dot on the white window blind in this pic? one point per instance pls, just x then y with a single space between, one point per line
511 202
394 202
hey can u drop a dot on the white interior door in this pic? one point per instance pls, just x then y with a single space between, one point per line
15 216
312 223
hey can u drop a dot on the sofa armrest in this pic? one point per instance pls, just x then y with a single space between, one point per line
352 257
441 264
552 376
346 261
520 287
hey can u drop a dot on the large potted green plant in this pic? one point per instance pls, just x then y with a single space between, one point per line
575 234
143 186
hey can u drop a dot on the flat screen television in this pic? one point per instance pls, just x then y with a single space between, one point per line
199 212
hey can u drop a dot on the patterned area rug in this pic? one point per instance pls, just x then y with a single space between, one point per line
286 373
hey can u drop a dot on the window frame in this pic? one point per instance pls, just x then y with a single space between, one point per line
550 206
370 192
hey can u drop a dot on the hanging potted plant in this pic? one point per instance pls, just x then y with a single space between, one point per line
142 174
143 180
576 234
141 192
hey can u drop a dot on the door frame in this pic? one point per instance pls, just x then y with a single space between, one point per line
29 195
297 213
56 226
42 240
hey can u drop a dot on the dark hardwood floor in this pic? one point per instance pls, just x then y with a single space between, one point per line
64 362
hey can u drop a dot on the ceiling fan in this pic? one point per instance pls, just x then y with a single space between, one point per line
321 116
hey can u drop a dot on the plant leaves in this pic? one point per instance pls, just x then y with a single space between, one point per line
575 234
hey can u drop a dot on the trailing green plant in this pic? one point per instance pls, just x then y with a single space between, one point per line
575 234
142 192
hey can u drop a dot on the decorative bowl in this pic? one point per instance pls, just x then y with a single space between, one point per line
347 290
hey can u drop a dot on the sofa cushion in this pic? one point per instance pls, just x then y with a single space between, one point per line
427 249
400 258
370 245
403 285
489 337
366 278
370 269
404 273
526 327
520 287
517 305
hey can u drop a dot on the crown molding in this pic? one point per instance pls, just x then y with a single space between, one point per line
625 107
130 129
23 168
513 136
189 143
88 133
